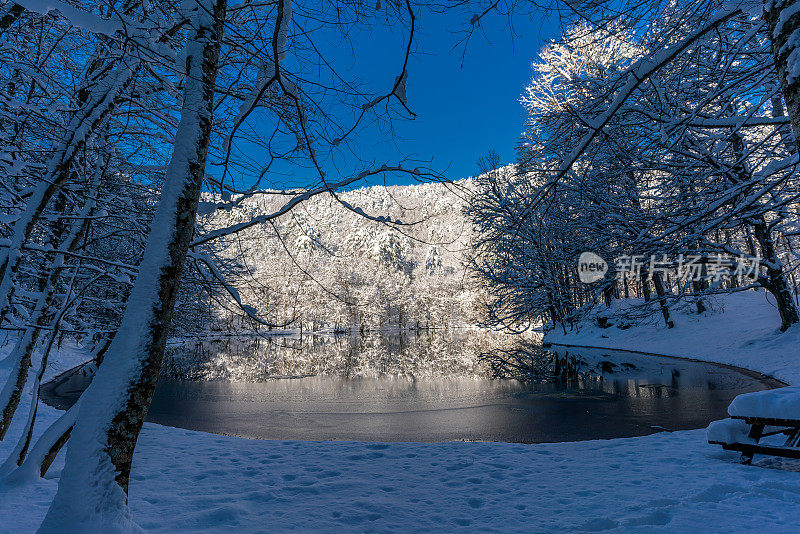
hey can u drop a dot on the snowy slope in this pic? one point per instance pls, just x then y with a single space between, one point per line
741 329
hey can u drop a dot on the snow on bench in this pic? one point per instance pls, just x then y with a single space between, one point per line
757 415
781 403
728 431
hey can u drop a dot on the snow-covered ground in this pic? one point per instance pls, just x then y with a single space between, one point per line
185 481
741 329
193 482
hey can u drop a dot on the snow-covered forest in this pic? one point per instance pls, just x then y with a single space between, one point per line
182 171
324 267
661 144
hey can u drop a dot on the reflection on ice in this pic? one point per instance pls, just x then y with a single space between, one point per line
447 354
612 372
428 386
423 354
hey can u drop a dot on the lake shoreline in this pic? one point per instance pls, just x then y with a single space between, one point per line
776 382
618 395
387 486
742 331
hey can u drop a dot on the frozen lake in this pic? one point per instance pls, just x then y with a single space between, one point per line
427 387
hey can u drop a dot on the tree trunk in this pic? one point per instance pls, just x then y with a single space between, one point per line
113 407
96 101
662 299
645 287
44 310
698 286
783 21
776 280
46 448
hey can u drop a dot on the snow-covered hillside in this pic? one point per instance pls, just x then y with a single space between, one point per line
325 266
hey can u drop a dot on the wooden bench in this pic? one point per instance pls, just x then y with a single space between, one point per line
761 427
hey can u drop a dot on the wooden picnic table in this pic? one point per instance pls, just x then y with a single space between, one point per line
761 427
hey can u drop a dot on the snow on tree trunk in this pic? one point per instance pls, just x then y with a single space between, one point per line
775 281
92 491
783 21
94 108
21 355
662 299
44 451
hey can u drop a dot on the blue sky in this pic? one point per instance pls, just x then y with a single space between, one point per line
465 106
462 111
